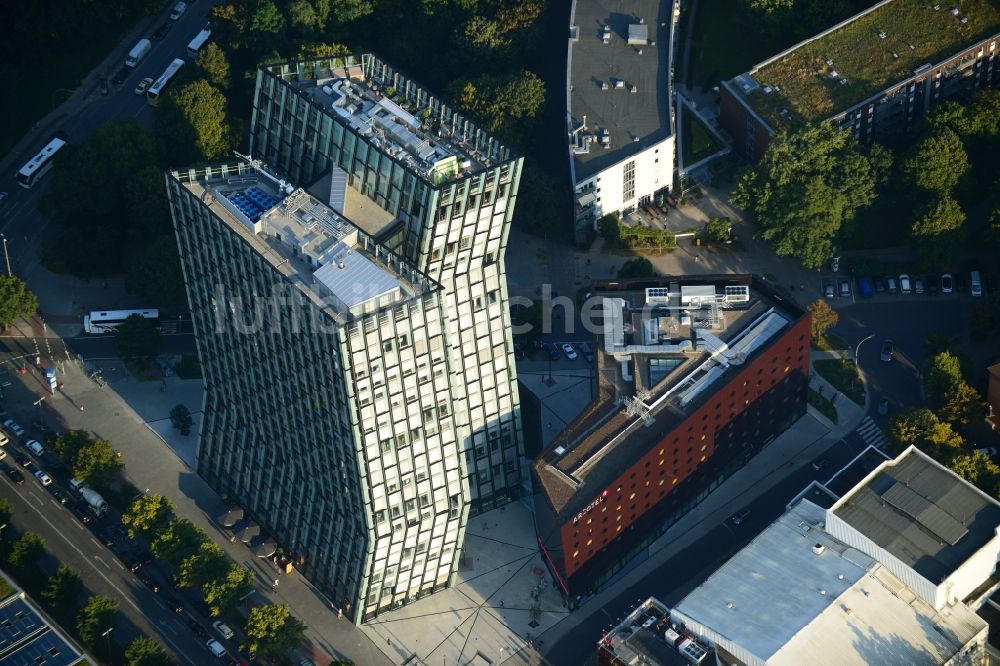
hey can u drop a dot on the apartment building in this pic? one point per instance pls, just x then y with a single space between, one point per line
874 74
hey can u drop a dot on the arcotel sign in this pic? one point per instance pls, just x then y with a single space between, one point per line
590 507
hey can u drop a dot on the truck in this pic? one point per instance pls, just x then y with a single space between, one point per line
97 505
138 52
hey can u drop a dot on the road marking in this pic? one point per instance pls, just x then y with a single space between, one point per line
110 582
98 558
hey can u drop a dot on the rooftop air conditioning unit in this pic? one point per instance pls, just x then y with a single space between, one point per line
634 88
619 83
605 86
818 548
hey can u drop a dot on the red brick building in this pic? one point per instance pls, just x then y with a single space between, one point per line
696 375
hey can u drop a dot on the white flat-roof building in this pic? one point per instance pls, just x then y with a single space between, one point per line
620 117
812 589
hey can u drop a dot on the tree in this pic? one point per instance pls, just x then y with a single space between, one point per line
303 17
636 268
315 50
944 373
920 427
267 19
178 541
223 595
824 318
977 468
498 101
93 217
962 405
68 444
807 186
138 339
180 417
609 226
993 229
6 511
96 463
939 231
213 62
346 11
191 123
62 589
207 565
156 274
144 651
272 629
148 514
938 162
26 553
15 301
718 229
96 617
881 160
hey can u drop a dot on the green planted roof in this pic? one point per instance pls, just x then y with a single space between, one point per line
915 34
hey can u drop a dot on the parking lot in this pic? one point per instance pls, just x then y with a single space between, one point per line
845 289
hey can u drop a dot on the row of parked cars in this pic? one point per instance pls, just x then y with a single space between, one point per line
904 284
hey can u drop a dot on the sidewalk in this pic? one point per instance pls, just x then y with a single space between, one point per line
114 412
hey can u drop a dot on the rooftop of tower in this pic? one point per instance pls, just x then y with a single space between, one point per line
395 115
333 262
665 348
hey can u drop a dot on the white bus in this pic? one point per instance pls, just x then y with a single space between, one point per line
40 164
199 41
153 94
98 322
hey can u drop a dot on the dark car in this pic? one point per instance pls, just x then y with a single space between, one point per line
887 351
107 538
879 285
81 514
552 350
162 31
15 476
121 76
148 581
172 603
59 495
132 563
22 460
144 556
587 350
931 282
105 89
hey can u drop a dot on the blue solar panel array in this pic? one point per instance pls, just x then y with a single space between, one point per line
253 203
26 639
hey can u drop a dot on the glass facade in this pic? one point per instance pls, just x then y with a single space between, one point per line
454 228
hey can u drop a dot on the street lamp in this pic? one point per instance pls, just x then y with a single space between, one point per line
107 635
857 349
6 257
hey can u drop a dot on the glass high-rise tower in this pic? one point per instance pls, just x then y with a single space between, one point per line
348 293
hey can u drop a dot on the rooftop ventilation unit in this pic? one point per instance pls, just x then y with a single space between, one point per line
620 84
834 74
954 11
606 35
895 56
842 82
881 34
937 8
829 63
634 88
963 20
819 548
605 86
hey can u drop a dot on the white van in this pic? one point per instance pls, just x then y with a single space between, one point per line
215 647
977 284
4 439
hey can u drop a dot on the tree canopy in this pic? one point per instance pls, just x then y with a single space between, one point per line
191 123
223 595
207 565
807 186
144 651
138 339
824 318
96 617
15 300
212 61
922 428
148 514
26 552
62 589
272 629
96 463
178 541
156 273
636 268
938 162
498 101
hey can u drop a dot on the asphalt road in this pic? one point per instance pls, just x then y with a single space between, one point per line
72 544
679 575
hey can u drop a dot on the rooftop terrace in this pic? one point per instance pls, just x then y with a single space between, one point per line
395 115
665 344
620 80
647 636
864 55
332 261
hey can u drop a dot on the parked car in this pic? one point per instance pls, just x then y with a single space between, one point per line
586 350
223 629
178 11
43 478
131 563
947 284
81 514
891 284
883 406
879 285
845 288
567 349
15 476
988 450
740 516
35 447
887 351
215 647
144 85
162 31
904 283
828 289
918 285
13 427
4 439
58 494
931 283
552 350
148 581
865 287
121 75
22 460
165 367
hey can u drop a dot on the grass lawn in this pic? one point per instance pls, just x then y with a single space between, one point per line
830 342
725 44
698 141
868 54
5 589
33 90
823 405
844 377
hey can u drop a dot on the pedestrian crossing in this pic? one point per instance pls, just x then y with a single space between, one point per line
872 434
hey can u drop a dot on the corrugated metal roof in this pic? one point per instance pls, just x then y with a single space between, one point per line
925 513
354 279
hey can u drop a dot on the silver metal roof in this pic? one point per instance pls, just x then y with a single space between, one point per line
354 279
